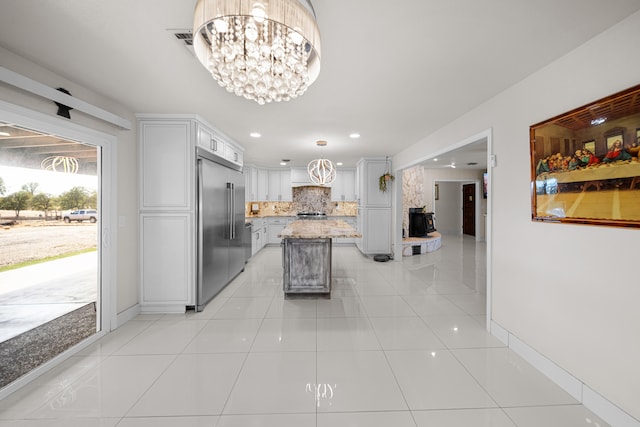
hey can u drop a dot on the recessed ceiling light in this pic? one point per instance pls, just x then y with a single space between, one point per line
354 135
284 162
5 134
338 163
435 160
255 135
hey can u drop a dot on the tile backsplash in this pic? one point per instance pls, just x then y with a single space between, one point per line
311 199
305 199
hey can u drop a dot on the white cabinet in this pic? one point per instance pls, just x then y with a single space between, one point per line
369 171
343 188
262 185
206 139
300 177
166 165
167 147
233 153
258 236
353 222
375 230
374 207
250 183
167 204
218 144
265 235
275 227
167 262
279 186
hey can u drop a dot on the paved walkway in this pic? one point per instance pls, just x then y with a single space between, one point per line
31 296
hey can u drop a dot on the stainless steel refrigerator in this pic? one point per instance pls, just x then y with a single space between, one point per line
220 217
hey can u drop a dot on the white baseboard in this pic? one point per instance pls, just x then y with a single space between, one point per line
129 314
606 410
591 400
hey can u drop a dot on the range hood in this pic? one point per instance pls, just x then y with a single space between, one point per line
300 177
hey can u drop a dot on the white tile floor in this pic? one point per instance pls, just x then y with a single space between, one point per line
400 344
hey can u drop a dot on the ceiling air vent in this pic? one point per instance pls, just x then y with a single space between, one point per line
184 37
187 38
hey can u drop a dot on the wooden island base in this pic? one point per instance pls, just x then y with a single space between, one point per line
307 267
306 255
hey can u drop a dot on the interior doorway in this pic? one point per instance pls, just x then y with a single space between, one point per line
51 296
442 169
469 209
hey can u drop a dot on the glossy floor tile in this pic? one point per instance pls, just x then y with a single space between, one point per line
400 344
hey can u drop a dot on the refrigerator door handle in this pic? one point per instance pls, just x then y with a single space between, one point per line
200 222
233 213
230 209
233 209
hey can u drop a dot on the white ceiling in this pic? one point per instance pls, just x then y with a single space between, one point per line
392 71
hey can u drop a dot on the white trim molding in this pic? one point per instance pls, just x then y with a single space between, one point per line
127 315
591 400
21 82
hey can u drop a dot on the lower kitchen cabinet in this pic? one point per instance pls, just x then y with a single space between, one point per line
258 235
375 227
353 222
275 226
167 266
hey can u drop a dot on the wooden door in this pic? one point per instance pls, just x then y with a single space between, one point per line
469 209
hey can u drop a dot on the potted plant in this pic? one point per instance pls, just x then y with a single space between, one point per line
384 180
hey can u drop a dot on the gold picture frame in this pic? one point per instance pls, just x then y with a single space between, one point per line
584 164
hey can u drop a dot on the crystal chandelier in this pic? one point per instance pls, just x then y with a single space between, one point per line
321 171
264 50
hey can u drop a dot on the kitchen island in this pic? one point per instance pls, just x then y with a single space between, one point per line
306 252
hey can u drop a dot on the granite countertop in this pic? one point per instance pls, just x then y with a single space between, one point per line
319 229
289 215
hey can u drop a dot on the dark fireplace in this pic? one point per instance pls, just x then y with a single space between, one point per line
420 223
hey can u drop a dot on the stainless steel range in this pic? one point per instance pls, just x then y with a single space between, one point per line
312 215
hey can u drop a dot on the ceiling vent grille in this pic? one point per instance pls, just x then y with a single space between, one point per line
187 38
184 37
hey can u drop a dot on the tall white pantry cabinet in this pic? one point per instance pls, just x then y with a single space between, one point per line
167 205
374 207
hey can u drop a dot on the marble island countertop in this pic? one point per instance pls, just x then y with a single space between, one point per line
319 229
289 215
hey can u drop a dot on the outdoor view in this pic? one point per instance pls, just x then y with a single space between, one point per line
49 218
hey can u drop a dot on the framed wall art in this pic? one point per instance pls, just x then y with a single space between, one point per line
593 175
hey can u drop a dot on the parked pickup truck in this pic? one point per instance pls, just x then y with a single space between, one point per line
90 215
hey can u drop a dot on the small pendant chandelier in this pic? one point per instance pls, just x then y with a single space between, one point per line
262 50
321 171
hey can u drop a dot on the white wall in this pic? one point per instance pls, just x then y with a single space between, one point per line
554 285
127 259
448 208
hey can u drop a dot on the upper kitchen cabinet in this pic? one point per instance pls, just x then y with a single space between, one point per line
279 185
221 146
167 160
369 171
343 188
262 185
300 177
250 183
167 153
